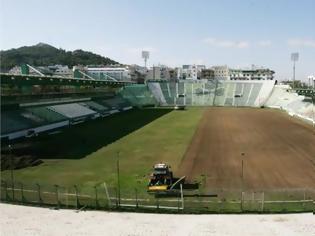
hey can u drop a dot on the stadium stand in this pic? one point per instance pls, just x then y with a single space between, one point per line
46 114
74 111
210 93
156 91
35 119
29 122
169 97
138 95
116 104
103 110
283 98
14 121
254 94
199 93
32 120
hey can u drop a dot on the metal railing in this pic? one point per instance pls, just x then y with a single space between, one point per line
103 197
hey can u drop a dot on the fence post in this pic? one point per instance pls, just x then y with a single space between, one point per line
157 203
136 197
22 193
221 205
57 195
96 197
6 190
67 196
77 196
107 195
242 199
253 203
182 196
11 172
304 198
262 201
178 202
116 198
39 196
13 191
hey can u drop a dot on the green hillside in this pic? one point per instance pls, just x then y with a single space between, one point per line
43 54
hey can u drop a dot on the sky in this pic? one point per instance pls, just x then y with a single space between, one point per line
210 32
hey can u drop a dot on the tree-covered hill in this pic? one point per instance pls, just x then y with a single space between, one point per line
43 54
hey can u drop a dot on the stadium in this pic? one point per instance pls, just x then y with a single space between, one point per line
89 143
157 118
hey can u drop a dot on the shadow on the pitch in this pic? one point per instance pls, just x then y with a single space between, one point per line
80 140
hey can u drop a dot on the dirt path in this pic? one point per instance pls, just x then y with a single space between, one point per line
279 151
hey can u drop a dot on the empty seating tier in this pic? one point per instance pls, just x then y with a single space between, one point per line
73 110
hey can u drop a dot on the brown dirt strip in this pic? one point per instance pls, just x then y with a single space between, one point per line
279 151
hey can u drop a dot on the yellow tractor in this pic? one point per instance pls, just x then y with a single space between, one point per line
162 180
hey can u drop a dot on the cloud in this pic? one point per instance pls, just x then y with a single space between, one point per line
264 43
301 42
226 43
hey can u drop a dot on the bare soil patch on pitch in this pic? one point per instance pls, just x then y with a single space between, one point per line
279 151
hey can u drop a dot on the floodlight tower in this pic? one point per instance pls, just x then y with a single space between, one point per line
294 58
145 56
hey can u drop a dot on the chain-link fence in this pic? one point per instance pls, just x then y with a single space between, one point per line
104 197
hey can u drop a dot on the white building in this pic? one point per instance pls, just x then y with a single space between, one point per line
60 70
190 71
311 80
109 72
254 73
221 72
15 70
159 72
55 70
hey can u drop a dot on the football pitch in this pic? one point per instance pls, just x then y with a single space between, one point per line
86 154
204 144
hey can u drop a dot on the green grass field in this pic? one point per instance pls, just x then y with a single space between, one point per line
86 154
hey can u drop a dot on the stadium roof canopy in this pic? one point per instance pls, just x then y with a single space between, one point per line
56 80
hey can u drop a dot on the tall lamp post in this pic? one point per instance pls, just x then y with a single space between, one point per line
242 176
145 56
294 58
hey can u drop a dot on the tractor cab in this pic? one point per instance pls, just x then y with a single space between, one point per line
162 169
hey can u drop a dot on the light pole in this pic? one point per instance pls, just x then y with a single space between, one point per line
242 175
294 58
11 170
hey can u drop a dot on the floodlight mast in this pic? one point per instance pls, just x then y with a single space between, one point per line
145 56
294 58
